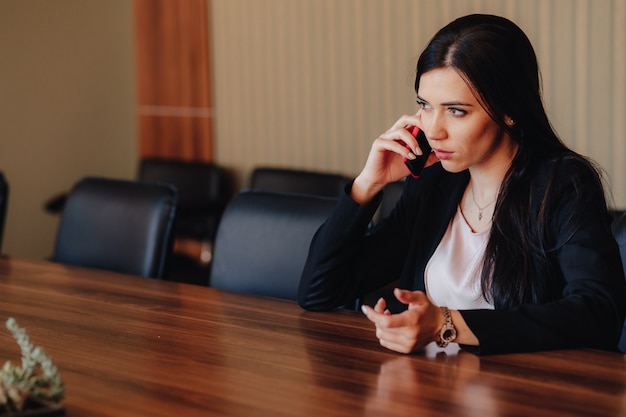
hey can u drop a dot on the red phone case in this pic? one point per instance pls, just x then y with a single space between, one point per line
417 165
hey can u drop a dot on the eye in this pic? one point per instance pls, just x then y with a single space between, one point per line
422 104
456 112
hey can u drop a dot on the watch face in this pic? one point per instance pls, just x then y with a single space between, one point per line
448 333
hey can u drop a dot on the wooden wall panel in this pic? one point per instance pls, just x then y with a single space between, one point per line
173 79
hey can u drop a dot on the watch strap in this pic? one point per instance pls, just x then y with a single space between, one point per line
447 333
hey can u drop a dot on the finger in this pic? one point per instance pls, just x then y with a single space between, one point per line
401 347
395 143
410 297
379 318
402 334
406 120
387 321
394 346
407 124
404 137
414 131
380 306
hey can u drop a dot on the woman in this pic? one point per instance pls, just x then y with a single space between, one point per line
503 243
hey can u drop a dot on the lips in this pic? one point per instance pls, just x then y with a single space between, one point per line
441 154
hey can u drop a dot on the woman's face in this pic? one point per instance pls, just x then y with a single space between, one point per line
458 128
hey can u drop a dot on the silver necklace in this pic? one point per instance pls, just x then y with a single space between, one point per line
480 209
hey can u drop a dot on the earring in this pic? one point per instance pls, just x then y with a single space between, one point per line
509 121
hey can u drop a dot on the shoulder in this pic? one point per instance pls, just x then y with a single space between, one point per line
569 175
570 195
570 165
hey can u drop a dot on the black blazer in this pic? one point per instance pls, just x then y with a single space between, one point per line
585 294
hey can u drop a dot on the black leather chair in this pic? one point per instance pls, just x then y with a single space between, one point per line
298 181
203 191
4 197
619 231
117 225
263 240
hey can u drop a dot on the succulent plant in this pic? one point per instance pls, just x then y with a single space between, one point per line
36 380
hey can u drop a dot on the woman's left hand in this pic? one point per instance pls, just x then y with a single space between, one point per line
410 330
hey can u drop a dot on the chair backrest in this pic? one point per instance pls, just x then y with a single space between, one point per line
4 198
199 184
263 240
619 231
203 191
298 181
117 225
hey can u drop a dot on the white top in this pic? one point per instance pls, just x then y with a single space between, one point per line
452 275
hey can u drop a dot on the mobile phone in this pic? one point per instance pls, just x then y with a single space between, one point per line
417 165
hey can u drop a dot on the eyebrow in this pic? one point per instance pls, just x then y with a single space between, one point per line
447 104
456 103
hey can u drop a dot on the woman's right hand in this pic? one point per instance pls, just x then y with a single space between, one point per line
385 161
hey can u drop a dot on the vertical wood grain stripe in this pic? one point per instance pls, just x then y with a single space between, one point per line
173 79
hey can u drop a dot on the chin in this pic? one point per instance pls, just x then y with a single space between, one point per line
452 167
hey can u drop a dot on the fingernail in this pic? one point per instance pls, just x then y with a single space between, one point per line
364 309
411 156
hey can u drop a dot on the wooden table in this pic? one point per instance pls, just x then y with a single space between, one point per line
130 346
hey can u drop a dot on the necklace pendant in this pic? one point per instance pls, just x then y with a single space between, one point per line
480 215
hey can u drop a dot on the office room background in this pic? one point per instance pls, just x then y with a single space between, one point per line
294 83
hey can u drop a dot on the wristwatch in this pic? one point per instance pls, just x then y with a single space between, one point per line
447 333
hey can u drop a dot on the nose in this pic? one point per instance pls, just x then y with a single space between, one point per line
434 126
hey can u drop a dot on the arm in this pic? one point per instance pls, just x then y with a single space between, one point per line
345 261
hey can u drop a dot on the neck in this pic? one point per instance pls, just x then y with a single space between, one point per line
478 202
486 178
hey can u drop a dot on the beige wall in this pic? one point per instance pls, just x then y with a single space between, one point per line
299 83
67 106
311 83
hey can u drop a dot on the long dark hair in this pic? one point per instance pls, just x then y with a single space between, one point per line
498 63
